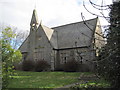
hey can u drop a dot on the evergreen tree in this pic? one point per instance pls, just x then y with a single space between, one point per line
109 58
114 43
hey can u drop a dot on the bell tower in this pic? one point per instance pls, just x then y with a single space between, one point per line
32 36
34 20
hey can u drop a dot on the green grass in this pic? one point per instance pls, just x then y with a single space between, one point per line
52 80
43 79
101 83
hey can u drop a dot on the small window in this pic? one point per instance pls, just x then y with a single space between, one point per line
24 55
65 59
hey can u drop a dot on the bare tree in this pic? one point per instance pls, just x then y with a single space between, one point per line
108 60
19 38
21 35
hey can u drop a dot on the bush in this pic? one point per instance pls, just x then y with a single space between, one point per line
71 66
41 65
17 66
84 68
28 65
59 67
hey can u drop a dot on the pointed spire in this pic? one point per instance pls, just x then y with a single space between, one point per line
34 20
40 22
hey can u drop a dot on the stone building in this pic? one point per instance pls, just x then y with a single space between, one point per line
60 44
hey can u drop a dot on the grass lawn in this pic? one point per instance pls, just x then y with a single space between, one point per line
52 80
93 84
43 79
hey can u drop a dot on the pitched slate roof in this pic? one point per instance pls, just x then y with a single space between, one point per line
68 36
73 35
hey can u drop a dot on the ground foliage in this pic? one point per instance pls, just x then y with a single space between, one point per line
92 85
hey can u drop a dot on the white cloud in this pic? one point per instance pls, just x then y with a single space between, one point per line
52 12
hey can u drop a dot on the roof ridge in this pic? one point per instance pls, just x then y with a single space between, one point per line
47 27
72 23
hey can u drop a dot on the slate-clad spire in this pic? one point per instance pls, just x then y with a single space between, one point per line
34 20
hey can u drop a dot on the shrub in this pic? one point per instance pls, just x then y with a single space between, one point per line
84 68
17 66
28 65
41 65
71 66
59 67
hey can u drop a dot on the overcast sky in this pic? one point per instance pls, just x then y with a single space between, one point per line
18 13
